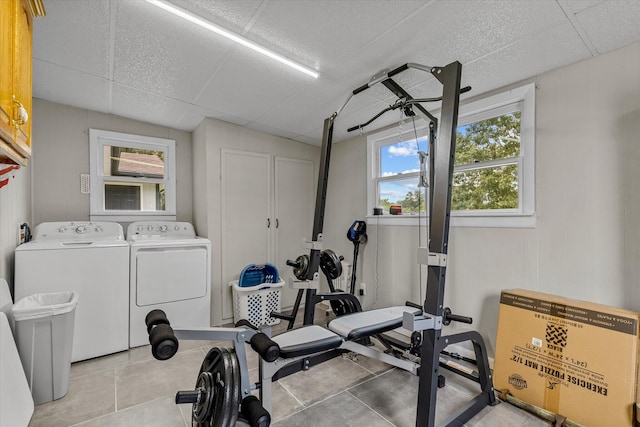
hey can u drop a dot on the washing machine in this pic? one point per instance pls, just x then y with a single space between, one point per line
91 258
170 270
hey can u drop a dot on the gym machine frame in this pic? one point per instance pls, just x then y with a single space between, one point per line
435 315
216 399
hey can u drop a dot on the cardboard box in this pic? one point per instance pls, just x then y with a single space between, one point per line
573 358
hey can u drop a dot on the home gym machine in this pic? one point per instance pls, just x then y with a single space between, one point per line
429 324
221 392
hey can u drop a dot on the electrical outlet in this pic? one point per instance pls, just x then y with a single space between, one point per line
363 289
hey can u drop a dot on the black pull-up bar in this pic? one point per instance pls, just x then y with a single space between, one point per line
401 104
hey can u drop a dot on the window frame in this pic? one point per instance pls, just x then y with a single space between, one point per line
98 139
490 106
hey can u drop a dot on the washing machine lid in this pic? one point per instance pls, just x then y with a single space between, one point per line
75 235
78 231
71 245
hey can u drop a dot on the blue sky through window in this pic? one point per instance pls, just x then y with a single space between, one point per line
401 158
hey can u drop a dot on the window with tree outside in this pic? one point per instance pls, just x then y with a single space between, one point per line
493 181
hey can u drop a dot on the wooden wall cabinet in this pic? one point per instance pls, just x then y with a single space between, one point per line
16 29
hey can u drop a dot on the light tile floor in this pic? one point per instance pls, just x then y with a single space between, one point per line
133 389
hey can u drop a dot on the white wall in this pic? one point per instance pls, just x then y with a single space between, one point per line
209 138
15 208
61 154
586 243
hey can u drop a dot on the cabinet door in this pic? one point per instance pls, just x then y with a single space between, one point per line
246 215
6 69
294 204
22 73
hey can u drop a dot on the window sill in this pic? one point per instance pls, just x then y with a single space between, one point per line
476 221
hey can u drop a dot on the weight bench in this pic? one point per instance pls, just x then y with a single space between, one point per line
342 334
295 348
218 399
299 346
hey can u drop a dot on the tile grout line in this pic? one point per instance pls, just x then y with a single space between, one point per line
288 391
305 407
370 408
115 391
124 410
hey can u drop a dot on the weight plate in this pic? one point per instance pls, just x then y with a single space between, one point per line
338 307
300 272
219 382
203 407
349 306
330 264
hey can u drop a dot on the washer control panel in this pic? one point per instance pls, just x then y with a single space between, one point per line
156 229
78 230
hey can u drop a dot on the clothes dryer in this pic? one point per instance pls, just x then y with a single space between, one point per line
170 270
91 258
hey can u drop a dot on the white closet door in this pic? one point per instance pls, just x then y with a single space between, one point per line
246 215
294 204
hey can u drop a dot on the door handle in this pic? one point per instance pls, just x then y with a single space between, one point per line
277 223
268 222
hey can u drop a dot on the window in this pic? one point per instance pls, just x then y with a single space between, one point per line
132 176
493 182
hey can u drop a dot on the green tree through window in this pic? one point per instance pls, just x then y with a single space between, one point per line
486 157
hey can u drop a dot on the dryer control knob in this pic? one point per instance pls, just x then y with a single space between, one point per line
150 227
98 228
163 228
81 229
177 228
62 229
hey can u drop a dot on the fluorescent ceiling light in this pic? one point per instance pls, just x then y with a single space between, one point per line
230 35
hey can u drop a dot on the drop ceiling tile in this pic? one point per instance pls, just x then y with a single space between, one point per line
432 88
147 106
265 128
161 53
309 107
446 31
347 120
611 25
313 138
231 15
192 117
70 87
323 34
575 6
526 58
75 34
250 84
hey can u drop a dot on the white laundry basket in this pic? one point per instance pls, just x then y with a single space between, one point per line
255 303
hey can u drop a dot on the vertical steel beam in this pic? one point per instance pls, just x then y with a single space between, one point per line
441 185
318 218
